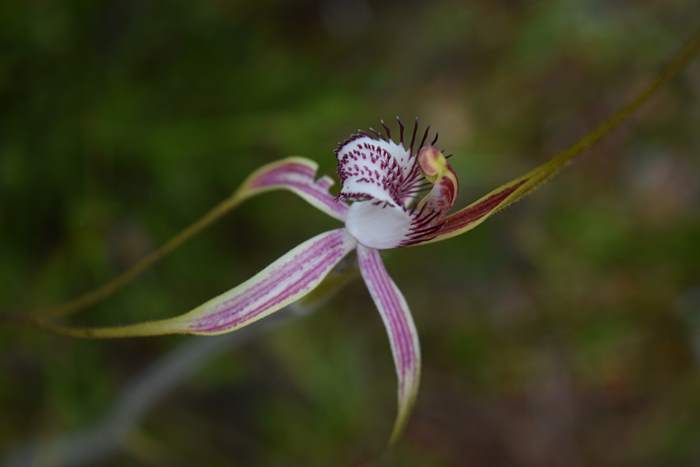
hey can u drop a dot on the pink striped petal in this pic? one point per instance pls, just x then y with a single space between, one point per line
475 213
297 175
403 337
283 282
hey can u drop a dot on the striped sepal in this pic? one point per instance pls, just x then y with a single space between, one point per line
285 281
403 337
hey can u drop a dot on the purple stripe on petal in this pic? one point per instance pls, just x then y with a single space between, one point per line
275 276
325 182
389 303
289 168
314 274
298 175
400 328
284 281
472 213
397 319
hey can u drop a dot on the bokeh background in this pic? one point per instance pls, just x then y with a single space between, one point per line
563 332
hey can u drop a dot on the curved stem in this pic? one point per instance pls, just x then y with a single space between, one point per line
104 291
673 68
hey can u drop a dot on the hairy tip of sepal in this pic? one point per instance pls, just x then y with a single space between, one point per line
433 163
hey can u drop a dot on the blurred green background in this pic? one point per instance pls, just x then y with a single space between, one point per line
564 332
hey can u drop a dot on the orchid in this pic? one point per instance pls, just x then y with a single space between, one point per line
397 190
393 194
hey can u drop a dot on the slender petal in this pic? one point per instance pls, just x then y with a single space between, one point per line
403 337
503 196
297 175
486 206
285 281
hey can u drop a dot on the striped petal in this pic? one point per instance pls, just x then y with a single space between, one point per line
297 175
466 219
403 337
285 281
474 214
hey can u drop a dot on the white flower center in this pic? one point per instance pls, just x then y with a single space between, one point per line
377 225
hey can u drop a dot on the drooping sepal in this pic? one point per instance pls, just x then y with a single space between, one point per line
286 280
399 324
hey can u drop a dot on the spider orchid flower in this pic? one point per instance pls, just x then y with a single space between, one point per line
393 194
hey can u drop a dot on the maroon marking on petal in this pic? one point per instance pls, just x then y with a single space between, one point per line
283 171
384 292
294 288
300 179
236 310
324 183
468 215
